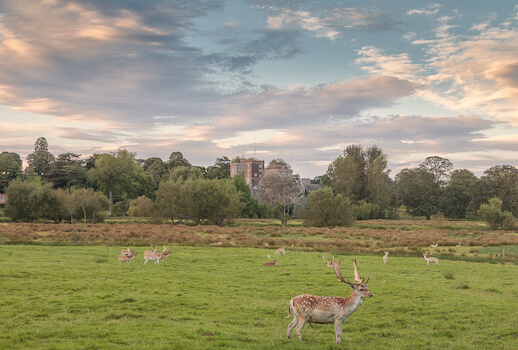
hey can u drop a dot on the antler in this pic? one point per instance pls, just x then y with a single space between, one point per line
336 266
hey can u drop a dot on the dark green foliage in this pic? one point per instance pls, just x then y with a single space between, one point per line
88 205
494 216
141 207
66 171
23 203
326 209
41 157
499 181
9 170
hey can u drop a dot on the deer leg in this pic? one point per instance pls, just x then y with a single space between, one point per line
301 324
338 331
292 325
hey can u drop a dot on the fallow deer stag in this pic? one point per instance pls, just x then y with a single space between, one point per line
127 258
151 251
315 309
270 263
165 253
126 251
329 263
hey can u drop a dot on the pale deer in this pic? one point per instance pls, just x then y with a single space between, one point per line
270 263
152 257
434 245
279 251
316 309
127 258
165 253
126 251
385 257
431 259
459 245
329 263
150 251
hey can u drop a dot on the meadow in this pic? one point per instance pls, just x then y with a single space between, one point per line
207 297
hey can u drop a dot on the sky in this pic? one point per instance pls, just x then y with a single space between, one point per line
296 80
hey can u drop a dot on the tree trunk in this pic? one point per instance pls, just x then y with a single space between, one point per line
110 194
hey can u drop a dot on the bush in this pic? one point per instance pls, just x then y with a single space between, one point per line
326 209
494 216
141 207
23 203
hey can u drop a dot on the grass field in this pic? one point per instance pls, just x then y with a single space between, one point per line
78 297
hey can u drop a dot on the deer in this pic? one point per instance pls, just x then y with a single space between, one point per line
150 251
127 258
329 263
434 245
385 257
316 309
165 253
431 259
279 251
152 257
126 251
270 263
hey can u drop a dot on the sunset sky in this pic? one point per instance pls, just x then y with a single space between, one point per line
298 80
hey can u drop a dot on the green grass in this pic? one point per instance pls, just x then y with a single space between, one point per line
64 297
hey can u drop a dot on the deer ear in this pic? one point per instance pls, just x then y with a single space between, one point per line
353 286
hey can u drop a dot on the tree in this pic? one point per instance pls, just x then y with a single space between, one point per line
378 183
168 201
494 216
439 167
279 189
87 204
155 168
120 174
250 205
15 156
499 181
49 203
9 170
176 159
418 191
41 157
141 207
22 204
457 196
326 209
66 171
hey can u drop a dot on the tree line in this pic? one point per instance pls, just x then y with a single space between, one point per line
355 186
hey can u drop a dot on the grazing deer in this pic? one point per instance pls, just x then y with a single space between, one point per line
150 251
165 253
270 263
126 251
329 263
127 258
315 309
279 251
431 259
434 245
385 257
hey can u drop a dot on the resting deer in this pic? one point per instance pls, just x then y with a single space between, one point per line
315 309
270 263
385 257
434 245
431 259
165 253
126 251
279 251
329 263
127 258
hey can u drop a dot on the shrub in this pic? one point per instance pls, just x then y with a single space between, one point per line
141 207
23 203
494 216
326 209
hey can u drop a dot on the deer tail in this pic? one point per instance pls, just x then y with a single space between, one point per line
289 311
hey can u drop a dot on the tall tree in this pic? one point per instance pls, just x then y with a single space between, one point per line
457 196
499 181
9 170
418 191
279 189
66 171
177 159
440 168
120 174
326 209
15 156
41 157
